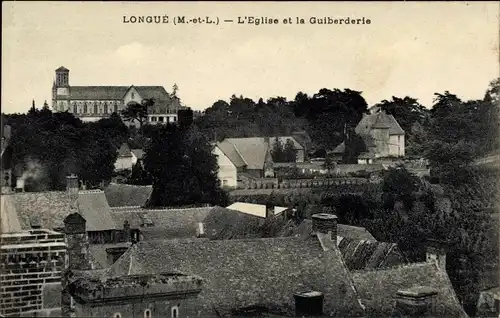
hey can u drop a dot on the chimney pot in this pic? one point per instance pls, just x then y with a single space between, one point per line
72 186
324 223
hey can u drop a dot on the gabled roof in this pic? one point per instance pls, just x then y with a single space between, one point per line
254 209
379 120
245 273
124 151
138 153
94 207
377 288
252 151
119 195
232 153
116 92
49 209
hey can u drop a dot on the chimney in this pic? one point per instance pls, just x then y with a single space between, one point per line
72 185
127 234
414 302
308 304
325 223
77 256
436 253
200 231
20 184
269 210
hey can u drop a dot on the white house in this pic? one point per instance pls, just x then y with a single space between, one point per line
124 160
227 170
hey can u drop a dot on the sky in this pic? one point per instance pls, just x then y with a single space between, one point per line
409 49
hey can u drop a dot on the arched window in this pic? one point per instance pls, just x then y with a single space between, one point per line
117 315
175 312
105 107
61 106
115 108
75 109
85 108
147 313
95 107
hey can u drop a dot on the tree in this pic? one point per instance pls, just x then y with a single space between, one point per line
354 146
137 111
277 151
290 153
183 168
139 176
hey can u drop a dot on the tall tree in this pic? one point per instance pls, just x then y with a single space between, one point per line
137 111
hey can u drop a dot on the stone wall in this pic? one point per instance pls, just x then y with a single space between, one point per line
31 261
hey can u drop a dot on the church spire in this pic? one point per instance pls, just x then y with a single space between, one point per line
33 105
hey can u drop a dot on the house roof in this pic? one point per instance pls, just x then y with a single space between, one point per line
8 215
49 209
116 92
124 151
379 120
94 207
138 153
225 224
166 223
120 195
254 209
232 153
253 151
244 273
99 255
377 288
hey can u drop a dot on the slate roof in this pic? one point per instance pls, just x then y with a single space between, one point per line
119 195
378 287
8 215
167 223
305 228
252 151
124 151
99 255
254 209
232 153
243 273
138 153
115 92
94 207
62 69
225 224
49 209
379 120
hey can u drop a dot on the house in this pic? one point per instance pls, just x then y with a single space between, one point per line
228 171
124 161
382 135
274 277
137 156
251 156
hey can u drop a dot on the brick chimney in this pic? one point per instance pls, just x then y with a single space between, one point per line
269 210
325 223
414 302
436 253
77 255
72 186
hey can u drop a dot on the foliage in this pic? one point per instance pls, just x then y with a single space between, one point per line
139 176
137 111
283 153
183 168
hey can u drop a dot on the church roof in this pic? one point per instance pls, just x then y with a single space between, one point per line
62 69
244 273
116 92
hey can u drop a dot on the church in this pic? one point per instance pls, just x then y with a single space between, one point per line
91 103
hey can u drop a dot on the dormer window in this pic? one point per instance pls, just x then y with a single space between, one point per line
147 313
175 312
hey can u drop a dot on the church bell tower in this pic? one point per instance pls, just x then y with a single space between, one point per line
60 90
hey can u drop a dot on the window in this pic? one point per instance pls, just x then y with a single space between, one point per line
175 312
153 118
133 95
160 119
117 315
224 182
115 108
175 119
147 313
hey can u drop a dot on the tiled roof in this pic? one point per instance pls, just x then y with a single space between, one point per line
8 215
379 120
244 273
377 288
138 153
115 92
225 224
94 207
232 153
124 151
127 195
49 209
254 209
347 231
166 223
252 150
99 255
